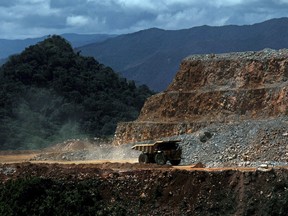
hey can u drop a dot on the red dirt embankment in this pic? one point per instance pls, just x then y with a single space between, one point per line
154 190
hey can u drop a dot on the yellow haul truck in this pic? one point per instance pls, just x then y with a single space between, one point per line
160 152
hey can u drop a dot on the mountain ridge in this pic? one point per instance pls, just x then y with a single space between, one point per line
14 46
152 56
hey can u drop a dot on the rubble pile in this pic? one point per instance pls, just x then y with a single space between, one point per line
250 143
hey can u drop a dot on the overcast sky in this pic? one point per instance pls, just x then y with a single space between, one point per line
34 18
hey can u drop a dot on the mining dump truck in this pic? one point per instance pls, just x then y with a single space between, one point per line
160 152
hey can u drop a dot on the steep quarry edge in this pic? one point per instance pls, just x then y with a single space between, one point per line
228 95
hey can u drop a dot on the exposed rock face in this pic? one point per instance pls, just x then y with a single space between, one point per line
224 88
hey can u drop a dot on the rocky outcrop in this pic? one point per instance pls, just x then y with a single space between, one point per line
208 89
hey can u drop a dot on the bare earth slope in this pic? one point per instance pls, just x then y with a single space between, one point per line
239 99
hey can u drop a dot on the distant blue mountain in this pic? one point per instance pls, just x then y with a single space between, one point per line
10 47
153 56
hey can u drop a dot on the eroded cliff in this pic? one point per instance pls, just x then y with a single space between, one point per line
212 89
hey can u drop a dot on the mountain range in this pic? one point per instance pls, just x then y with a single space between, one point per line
152 56
9 47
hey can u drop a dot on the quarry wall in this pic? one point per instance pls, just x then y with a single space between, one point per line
208 89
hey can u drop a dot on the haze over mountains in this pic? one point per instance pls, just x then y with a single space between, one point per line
152 56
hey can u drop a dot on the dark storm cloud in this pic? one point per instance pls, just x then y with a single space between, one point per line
256 11
21 18
7 3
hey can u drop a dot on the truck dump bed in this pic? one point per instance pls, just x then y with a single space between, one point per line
148 148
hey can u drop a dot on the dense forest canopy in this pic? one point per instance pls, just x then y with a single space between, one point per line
49 93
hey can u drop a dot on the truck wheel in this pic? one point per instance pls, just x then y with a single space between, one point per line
175 162
151 158
143 158
160 159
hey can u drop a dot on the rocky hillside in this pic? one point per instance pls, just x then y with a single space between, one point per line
236 103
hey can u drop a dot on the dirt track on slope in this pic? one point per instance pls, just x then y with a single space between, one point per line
127 164
16 156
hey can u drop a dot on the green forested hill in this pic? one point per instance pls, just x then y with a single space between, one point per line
48 93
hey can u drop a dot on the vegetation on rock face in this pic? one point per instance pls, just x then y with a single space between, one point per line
48 93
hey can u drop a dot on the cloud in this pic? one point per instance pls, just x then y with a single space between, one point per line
77 20
39 17
6 3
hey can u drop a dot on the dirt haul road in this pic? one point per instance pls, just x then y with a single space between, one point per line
10 157
150 189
